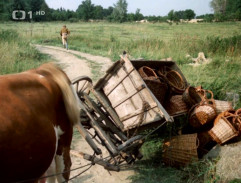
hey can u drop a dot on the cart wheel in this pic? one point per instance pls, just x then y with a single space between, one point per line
82 84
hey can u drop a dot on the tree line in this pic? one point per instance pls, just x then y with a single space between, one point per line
223 10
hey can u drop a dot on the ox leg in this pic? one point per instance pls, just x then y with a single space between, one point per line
63 164
51 171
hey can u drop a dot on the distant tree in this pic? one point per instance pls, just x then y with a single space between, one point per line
233 9
138 15
98 12
107 12
189 14
171 15
219 6
5 13
120 11
85 10
131 17
206 17
47 16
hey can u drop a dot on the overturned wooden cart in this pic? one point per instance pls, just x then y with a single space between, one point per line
116 108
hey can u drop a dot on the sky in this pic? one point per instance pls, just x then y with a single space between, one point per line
147 7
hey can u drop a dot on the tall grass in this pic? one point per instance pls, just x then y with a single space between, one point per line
16 54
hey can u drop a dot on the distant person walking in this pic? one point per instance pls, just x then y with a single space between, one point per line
64 33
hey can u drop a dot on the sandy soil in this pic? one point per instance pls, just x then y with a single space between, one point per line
74 67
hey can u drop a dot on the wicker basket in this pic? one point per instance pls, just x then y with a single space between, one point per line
176 82
176 106
201 114
191 96
147 72
236 121
180 150
158 88
223 130
173 78
222 106
204 94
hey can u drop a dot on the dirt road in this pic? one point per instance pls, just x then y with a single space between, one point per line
74 67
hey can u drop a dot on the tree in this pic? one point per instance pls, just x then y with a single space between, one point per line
107 12
171 15
138 15
189 14
98 12
218 6
120 11
233 9
85 10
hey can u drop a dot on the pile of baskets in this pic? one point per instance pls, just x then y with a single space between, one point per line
219 117
168 86
211 121
214 121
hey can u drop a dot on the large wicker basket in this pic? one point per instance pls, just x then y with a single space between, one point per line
176 106
180 150
201 114
156 85
158 88
173 78
222 130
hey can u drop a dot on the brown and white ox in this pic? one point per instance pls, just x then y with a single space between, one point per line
38 109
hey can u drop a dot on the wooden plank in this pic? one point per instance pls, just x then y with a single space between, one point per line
137 112
88 139
116 83
108 108
126 97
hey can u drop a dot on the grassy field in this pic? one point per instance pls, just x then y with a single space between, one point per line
220 42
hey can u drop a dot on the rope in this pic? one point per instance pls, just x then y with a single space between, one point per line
79 173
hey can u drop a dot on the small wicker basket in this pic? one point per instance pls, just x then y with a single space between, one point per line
222 130
191 96
201 114
222 106
176 82
147 72
180 150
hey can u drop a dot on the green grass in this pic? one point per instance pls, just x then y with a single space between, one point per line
16 54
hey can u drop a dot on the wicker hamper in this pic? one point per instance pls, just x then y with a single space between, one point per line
180 150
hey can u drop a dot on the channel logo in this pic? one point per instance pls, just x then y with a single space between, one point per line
21 15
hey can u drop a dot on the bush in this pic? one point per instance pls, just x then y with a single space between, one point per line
72 20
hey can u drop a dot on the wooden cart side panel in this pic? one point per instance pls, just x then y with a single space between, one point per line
149 117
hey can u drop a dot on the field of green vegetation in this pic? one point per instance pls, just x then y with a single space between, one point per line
220 42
